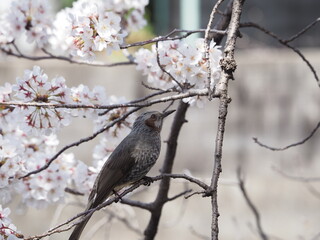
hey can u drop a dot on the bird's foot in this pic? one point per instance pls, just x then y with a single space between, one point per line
147 181
118 197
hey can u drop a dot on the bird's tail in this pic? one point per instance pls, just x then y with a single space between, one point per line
75 235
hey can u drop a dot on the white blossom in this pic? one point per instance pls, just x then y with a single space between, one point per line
34 86
184 62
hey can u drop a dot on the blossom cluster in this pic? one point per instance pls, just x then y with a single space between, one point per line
29 17
28 140
89 26
185 63
22 153
34 87
8 230
96 25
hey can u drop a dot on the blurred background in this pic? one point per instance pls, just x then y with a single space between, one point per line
275 98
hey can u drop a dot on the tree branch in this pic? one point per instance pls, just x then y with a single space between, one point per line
162 196
169 38
302 31
228 66
135 103
51 56
290 145
285 43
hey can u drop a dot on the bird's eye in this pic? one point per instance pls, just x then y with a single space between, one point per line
153 116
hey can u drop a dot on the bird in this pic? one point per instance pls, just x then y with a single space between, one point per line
130 161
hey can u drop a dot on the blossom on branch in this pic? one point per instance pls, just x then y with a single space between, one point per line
7 229
23 151
177 62
30 17
94 26
35 87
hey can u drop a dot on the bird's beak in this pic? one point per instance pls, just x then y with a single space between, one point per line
167 113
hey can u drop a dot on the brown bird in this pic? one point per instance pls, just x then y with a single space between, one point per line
129 162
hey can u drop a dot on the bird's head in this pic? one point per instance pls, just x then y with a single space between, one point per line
152 120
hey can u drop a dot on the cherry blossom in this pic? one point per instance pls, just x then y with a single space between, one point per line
94 26
184 62
7 229
30 17
37 190
35 87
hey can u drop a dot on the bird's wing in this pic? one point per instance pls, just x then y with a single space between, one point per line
114 170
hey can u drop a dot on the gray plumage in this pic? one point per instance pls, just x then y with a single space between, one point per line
129 162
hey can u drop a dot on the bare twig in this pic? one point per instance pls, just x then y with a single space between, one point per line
290 145
207 40
198 235
296 178
189 178
168 37
285 43
103 222
159 92
179 195
165 71
73 191
315 192
251 205
302 31
126 222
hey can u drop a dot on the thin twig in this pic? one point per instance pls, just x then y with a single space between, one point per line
189 93
207 40
189 178
51 56
302 31
73 191
197 234
290 145
160 92
168 37
126 222
296 178
251 205
165 71
285 43
178 195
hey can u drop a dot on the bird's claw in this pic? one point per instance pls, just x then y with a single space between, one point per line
117 196
147 181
